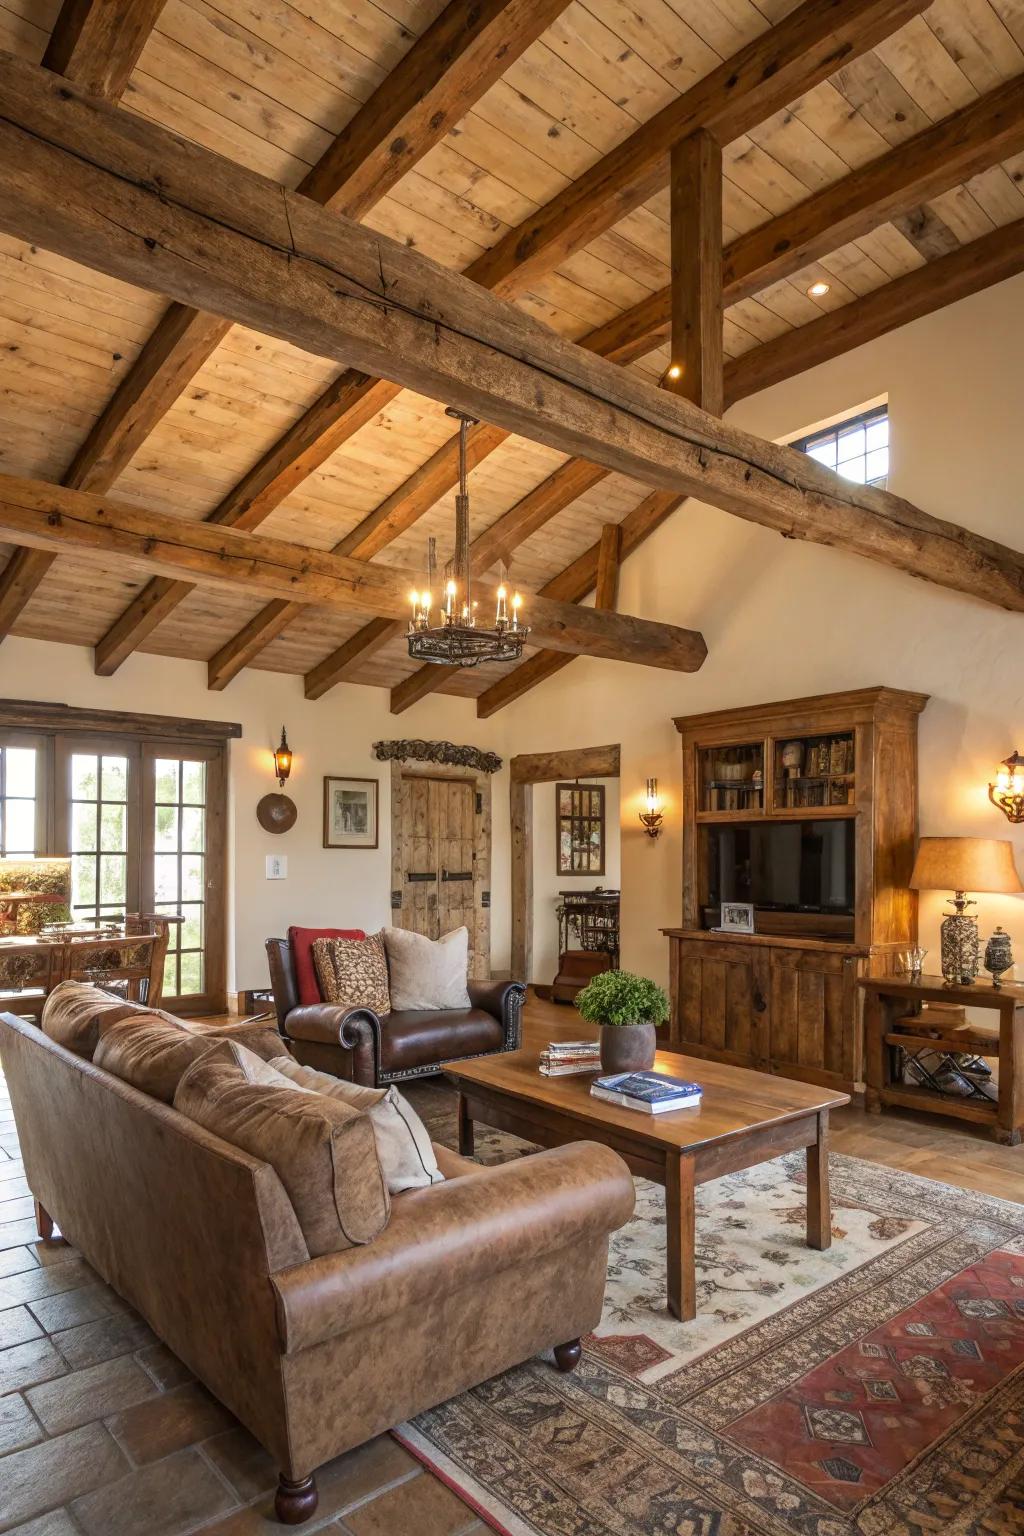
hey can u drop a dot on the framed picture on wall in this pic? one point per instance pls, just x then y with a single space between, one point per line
350 812
579 829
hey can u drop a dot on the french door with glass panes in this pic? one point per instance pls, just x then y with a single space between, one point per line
142 822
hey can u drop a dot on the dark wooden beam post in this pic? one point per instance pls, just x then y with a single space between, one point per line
696 367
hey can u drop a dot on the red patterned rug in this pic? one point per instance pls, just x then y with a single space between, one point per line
877 1390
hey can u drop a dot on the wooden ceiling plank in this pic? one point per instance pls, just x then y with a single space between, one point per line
458 58
97 43
793 56
774 69
695 371
489 358
991 259
57 519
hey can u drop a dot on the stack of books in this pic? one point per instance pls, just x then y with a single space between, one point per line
652 1092
562 1058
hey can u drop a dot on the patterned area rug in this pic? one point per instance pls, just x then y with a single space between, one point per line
873 1390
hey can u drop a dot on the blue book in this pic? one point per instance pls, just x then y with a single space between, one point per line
650 1091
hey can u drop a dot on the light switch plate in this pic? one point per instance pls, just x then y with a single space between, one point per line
277 866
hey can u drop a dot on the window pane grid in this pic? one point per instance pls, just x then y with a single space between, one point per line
857 449
179 869
99 831
18 802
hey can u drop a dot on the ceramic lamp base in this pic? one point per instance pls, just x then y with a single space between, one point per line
961 949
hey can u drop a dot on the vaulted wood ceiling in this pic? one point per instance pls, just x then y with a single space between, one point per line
887 202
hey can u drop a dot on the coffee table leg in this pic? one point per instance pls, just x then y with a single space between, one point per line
465 1128
679 1204
819 1204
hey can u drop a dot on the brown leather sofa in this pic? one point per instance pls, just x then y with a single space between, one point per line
314 1356
358 1044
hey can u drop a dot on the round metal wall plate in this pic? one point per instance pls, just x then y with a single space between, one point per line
276 813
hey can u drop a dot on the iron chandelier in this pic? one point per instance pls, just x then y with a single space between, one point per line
457 640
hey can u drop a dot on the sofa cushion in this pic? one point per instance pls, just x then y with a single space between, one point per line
75 1010
403 1145
324 1152
301 941
353 973
427 973
151 1054
416 1040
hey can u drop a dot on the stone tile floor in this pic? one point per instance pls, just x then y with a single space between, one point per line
103 1432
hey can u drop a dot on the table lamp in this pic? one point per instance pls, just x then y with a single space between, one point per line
962 864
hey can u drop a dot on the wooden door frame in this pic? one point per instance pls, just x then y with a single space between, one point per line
526 770
481 846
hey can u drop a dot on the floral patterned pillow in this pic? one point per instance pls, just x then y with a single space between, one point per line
353 972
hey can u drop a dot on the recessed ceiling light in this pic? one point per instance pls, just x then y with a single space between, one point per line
674 371
818 290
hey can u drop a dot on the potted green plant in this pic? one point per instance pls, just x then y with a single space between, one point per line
628 1009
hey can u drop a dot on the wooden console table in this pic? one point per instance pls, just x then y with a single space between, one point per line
891 1004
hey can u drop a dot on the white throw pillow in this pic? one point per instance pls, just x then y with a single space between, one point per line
426 974
403 1146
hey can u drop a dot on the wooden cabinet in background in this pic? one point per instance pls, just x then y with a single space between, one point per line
785 998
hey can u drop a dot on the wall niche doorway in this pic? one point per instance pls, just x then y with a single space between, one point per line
441 855
534 811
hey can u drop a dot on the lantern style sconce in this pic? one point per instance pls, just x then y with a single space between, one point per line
1008 790
652 817
283 760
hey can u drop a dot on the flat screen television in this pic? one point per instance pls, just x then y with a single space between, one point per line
802 868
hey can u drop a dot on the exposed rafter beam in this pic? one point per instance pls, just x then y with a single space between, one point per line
457 59
77 177
695 371
53 518
790 58
343 661
96 43
571 585
983 262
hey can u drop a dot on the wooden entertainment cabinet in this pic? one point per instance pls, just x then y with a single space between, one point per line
785 998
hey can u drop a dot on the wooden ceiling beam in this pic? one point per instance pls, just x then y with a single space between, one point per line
78 178
695 370
813 41
59 520
790 58
984 262
344 660
97 43
456 60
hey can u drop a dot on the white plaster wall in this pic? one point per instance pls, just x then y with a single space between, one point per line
547 883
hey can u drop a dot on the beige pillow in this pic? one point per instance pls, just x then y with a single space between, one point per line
403 1144
353 972
427 973
149 1053
324 1152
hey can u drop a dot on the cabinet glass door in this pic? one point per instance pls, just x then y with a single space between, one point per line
731 779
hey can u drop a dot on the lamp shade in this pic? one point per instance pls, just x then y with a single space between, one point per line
965 864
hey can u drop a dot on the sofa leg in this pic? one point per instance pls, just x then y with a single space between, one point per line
567 1356
44 1223
294 1501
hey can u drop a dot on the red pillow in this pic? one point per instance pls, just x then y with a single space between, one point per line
301 941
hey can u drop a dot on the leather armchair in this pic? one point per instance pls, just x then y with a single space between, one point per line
358 1044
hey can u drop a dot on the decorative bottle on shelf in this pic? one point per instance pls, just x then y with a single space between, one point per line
998 956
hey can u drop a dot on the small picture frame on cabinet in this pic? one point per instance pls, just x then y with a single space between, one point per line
736 917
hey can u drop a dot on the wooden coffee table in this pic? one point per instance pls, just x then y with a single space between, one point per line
745 1118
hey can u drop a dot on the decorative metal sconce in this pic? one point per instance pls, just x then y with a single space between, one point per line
652 818
1008 790
283 760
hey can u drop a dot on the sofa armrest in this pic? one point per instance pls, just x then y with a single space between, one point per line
332 1024
503 1000
456 1234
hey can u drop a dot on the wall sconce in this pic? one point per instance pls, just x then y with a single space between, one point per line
1008 790
652 817
283 760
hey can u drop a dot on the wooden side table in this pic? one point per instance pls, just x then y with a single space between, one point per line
891 1005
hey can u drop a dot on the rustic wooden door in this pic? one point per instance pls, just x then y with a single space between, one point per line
438 833
723 1000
